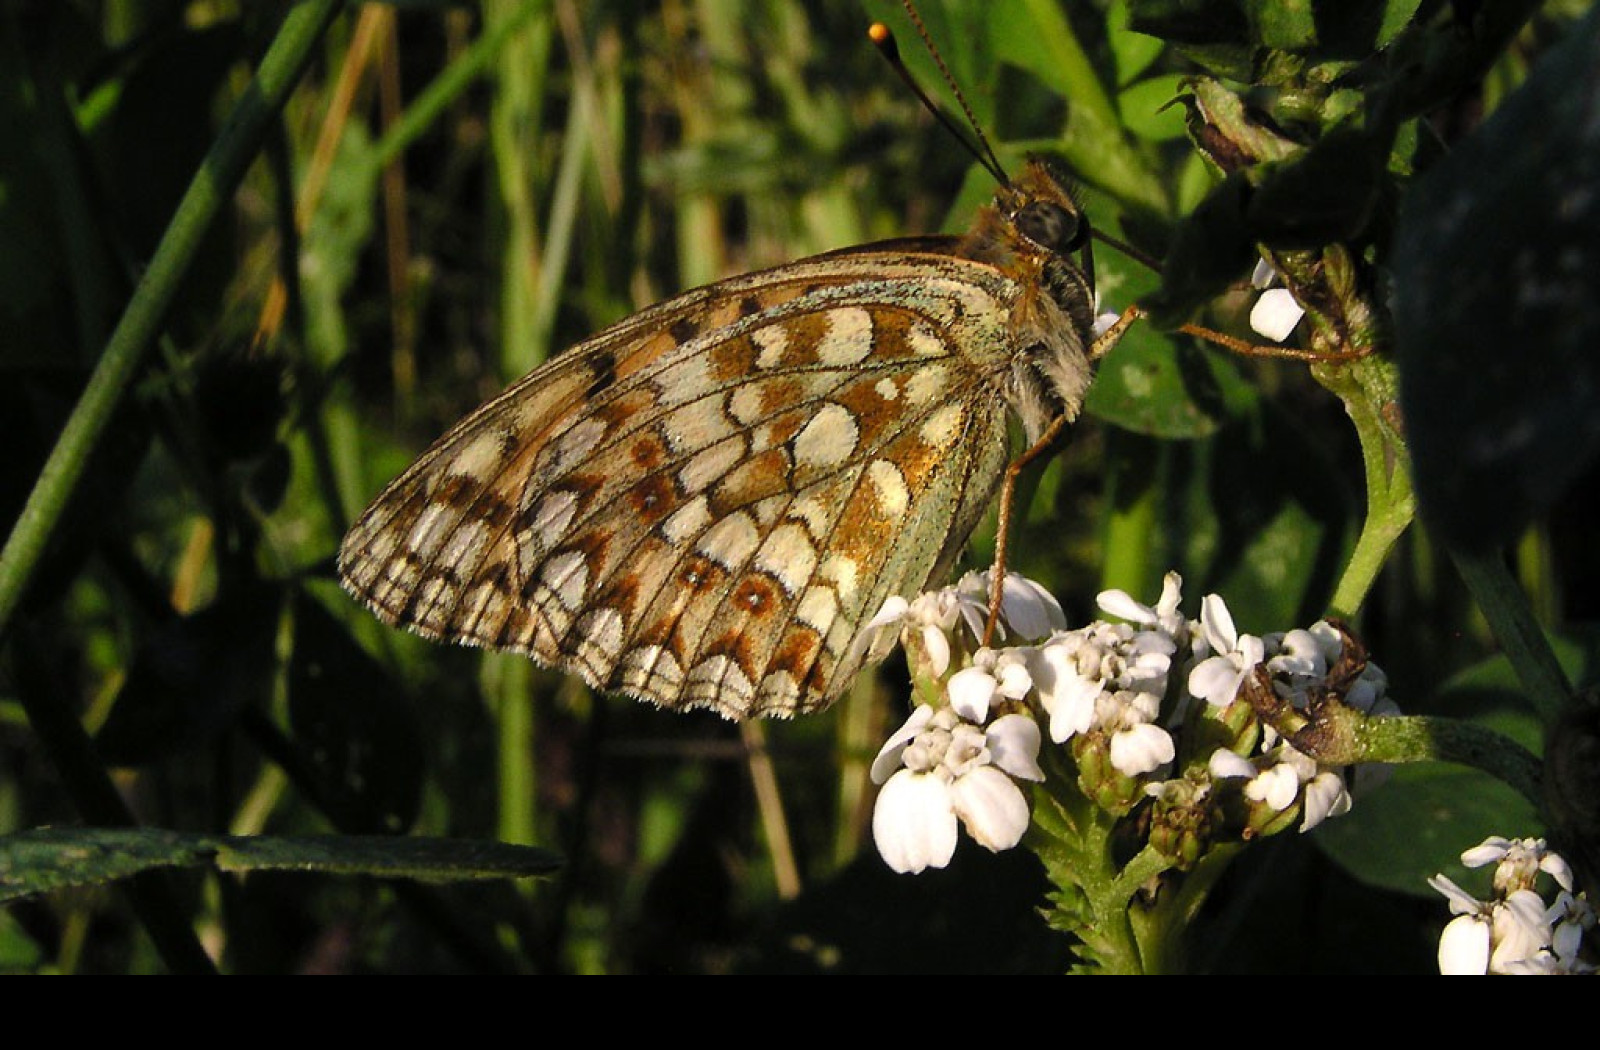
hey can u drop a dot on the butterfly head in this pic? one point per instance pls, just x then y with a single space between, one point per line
1037 234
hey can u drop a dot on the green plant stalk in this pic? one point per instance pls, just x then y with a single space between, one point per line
1367 388
220 173
507 680
563 219
514 124
1505 606
1077 72
1129 539
519 77
1423 738
335 436
1094 900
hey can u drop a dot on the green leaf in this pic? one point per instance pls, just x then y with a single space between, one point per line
1418 824
18 951
47 859
1288 25
1497 306
1209 32
1150 386
1397 14
1148 111
1131 52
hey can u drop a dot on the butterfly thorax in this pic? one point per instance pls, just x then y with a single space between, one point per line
1032 233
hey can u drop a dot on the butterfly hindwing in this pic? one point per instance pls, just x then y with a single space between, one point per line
701 505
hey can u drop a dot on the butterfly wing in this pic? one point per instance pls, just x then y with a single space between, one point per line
701 505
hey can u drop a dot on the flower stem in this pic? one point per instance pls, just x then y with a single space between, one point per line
1422 738
1368 389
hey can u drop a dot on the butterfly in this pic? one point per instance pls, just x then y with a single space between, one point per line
703 505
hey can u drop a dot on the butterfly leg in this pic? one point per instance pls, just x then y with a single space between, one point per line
1008 489
1294 353
1008 486
1109 338
1113 335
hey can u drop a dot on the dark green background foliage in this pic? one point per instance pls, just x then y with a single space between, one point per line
501 180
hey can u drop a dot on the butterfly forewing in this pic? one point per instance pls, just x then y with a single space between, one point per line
703 504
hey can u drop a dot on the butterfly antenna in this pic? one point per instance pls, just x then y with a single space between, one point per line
880 35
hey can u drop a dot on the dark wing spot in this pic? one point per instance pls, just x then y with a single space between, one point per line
684 329
605 373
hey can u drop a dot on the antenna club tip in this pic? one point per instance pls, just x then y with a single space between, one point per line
880 35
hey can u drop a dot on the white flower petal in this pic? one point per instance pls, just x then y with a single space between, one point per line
1275 314
1461 902
1278 787
893 610
1520 929
1015 682
1325 797
1489 851
1224 764
1217 624
1141 749
1215 680
937 646
1032 611
1250 651
1171 595
888 759
971 690
1298 654
992 808
1071 708
1464 946
1014 746
1556 866
914 822
1122 605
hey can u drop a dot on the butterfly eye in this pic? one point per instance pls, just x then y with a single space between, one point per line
1050 226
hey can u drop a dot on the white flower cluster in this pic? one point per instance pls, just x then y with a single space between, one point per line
1516 931
1111 682
945 764
1298 662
